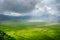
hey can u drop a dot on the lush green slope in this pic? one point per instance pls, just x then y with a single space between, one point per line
31 31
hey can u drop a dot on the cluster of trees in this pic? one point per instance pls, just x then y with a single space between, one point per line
4 36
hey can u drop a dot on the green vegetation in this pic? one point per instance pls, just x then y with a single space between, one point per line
29 31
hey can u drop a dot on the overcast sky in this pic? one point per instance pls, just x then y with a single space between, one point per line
30 7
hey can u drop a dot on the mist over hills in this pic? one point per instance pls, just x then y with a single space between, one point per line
44 17
6 17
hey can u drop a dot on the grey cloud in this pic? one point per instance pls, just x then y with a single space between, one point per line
21 6
58 1
58 4
58 9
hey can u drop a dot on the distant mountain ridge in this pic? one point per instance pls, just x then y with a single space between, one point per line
45 17
6 17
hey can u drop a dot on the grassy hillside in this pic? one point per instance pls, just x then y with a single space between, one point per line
30 31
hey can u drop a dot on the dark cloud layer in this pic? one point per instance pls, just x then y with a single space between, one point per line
57 4
58 1
6 17
21 6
